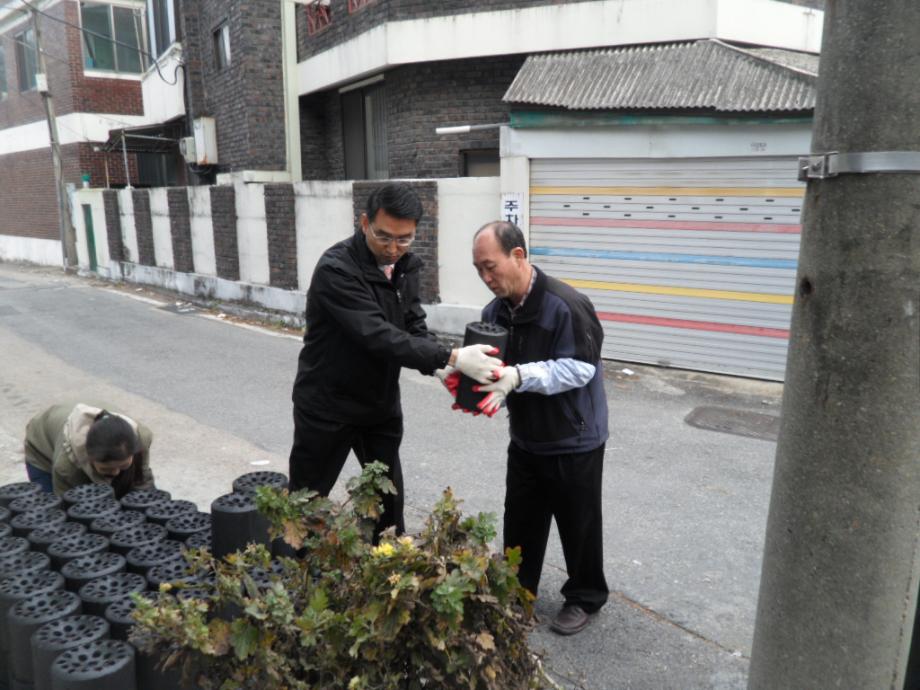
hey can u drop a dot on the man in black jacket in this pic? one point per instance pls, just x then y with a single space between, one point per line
364 323
554 388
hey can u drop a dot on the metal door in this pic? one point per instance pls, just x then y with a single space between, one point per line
690 263
90 236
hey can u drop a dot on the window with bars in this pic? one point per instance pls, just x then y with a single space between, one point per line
116 39
355 5
26 59
319 16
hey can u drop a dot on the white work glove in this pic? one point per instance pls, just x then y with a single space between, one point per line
508 379
450 377
475 361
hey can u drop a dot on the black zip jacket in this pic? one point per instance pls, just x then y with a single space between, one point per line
556 322
361 330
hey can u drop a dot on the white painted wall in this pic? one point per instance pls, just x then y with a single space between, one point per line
203 256
162 234
561 27
72 128
128 227
324 215
464 205
659 141
164 101
252 233
31 250
210 287
795 28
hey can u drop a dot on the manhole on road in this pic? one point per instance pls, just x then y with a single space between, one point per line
738 422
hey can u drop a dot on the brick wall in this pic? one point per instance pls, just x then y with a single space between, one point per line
426 235
265 101
180 227
113 225
28 201
282 235
345 26
144 227
26 106
105 169
246 98
315 134
419 98
28 197
223 220
190 32
455 92
335 144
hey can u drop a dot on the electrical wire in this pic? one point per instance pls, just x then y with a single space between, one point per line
112 40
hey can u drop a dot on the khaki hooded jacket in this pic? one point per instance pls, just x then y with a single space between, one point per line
56 443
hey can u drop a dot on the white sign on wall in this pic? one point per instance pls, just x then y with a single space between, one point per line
512 211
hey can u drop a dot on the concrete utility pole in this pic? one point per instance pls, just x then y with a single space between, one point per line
842 561
68 236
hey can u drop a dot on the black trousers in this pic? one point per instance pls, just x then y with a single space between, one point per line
567 488
321 448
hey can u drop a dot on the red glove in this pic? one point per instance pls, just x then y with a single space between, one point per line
452 382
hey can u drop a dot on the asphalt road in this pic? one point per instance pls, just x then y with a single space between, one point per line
685 508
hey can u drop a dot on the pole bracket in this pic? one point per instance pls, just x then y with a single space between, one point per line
820 166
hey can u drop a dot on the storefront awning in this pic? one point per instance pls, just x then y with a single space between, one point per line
158 138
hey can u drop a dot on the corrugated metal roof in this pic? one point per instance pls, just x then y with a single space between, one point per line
707 74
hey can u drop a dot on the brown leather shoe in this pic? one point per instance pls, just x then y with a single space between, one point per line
570 620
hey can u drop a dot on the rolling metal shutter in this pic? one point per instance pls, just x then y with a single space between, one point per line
690 263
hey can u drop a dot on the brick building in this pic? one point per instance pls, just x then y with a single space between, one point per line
261 127
276 91
95 88
376 77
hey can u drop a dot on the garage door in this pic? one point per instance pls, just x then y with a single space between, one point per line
689 262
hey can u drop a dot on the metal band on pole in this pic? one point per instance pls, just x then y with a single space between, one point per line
820 166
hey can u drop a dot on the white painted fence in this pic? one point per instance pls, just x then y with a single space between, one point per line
323 215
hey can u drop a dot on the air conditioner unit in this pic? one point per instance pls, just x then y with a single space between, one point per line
205 137
187 149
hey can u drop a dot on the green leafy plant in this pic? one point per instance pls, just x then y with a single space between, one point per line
433 610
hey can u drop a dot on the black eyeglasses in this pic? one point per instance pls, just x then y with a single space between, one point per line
384 238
